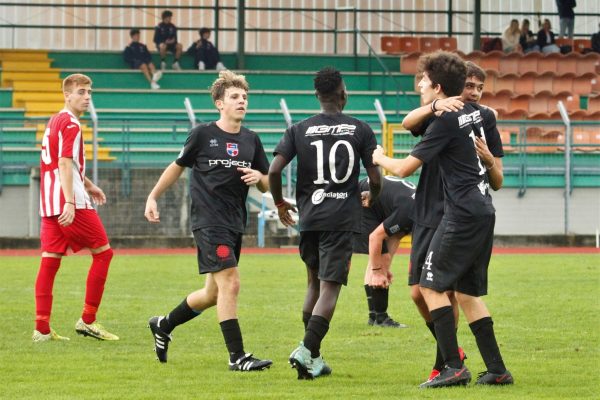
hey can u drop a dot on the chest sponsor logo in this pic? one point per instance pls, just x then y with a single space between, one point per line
333 130
232 149
319 195
213 143
467 119
227 163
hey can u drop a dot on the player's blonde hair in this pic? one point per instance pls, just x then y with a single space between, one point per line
75 80
226 80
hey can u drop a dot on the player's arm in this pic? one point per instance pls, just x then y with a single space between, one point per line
94 191
492 164
416 117
283 207
168 178
402 168
374 184
255 177
65 173
377 261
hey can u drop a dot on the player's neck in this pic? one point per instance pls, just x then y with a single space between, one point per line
229 126
75 113
330 108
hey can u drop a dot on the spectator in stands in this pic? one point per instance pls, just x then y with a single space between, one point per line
206 55
545 39
595 43
510 37
566 17
527 40
136 54
165 37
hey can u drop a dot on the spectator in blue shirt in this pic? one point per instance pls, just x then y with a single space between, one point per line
165 37
137 56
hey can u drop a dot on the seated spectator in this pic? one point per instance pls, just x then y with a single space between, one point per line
206 55
510 37
165 37
136 54
595 43
545 39
527 40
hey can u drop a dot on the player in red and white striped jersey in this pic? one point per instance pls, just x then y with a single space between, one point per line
68 218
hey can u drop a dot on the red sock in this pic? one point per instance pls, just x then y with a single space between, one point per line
43 293
95 285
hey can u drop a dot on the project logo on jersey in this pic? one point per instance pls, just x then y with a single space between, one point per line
319 195
232 149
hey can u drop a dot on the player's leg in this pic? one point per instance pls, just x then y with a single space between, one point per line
470 288
381 295
146 71
177 50
162 50
312 294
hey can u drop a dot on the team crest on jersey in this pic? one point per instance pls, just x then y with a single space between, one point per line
232 149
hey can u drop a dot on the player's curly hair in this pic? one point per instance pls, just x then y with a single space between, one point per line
74 80
475 70
327 81
445 69
226 80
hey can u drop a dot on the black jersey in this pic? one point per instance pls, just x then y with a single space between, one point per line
328 148
394 206
451 137
218 194
136 51
429 198
163 31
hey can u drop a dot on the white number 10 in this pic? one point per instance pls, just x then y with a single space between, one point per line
320 161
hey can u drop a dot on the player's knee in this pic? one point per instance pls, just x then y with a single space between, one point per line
416 295
105 255
465 299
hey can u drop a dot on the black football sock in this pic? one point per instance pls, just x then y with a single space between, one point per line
445 333
369 292
439 359
233 339
180 315
483 329
305 317
315 332
380 303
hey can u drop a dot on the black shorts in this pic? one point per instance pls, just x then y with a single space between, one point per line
329 252
171 47
421 238
218 248
369 222
136 64
459 255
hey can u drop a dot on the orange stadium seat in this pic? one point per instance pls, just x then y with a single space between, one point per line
520 102
491 77
571 102
390 44
543 82
529 62
509 63
526 83
447 43
584 84
588 63
593 104
563 83
506 82
568 64
580 44
491 60
409 44
498 101
549 62
576 115
409 63
513 115
428 44
474 56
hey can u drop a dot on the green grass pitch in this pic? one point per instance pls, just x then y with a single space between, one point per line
546 311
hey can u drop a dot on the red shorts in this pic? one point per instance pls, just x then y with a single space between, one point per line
86 231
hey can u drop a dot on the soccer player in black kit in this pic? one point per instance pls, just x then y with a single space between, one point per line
429 200
225 159
459 253
383 225
329 147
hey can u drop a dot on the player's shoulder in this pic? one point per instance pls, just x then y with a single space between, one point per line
64 117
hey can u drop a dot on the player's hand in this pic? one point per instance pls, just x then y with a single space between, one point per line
449 104
68 215
283 210
483 151
378 154
365 198
250 176
97 195
151 212
379 279
390 276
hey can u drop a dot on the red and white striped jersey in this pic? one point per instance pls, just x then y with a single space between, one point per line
62 138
